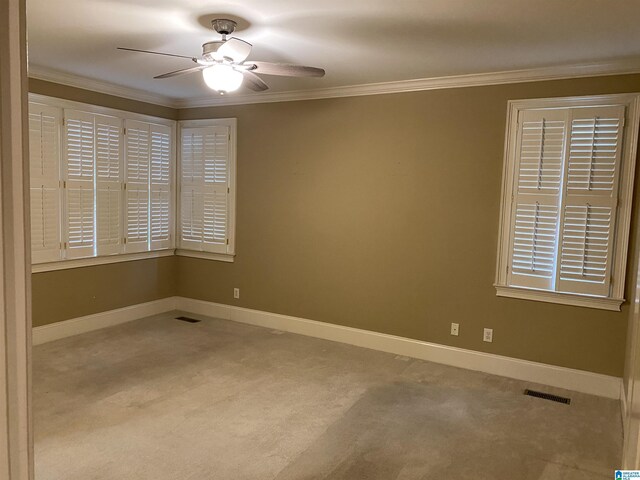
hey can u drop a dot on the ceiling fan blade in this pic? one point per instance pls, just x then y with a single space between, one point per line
157 53
254 82
235 49
181 72
287 70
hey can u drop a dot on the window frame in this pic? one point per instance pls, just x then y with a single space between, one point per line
625 200
124 256
232 124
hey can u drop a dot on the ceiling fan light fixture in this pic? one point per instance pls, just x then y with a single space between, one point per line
223 64
222 78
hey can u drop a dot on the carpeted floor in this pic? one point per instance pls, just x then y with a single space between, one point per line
161 399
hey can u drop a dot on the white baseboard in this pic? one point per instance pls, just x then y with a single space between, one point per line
561 377
75 326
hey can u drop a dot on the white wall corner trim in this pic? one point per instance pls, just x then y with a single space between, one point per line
618 67
623 409
96 321
560 377
16 432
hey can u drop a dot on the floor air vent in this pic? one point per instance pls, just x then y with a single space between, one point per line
187 319
548 396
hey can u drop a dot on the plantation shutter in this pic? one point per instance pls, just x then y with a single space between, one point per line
590 200
204 219
79 169
109 208
137 157
216 183
191 188
160 184
44 163
540 150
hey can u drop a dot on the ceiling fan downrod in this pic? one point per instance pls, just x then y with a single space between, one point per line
224 27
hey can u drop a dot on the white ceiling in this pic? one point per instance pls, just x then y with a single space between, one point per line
356 41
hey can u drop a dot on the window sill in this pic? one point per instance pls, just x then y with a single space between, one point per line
602 303
91 261
220 257
127 257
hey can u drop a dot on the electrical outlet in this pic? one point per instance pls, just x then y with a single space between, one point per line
455 328
488 335
236 293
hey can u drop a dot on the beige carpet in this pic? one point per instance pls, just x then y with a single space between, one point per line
162 399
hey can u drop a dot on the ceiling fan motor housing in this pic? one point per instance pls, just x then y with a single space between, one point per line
224 26
209 49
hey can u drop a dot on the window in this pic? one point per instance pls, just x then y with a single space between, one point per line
148 186
101 182
207 189
566 200
102 186
44 151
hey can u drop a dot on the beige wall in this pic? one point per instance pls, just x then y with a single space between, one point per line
64 294
381 213
376 212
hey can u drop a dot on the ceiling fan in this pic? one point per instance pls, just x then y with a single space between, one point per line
224 64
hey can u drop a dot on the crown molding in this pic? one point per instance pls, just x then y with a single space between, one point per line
619 67
435 83
85 83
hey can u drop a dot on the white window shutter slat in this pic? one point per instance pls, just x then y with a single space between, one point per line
216 156
109 194
79 169
160 155
191 219
192 188
79 145
534 244
215 220
192 156
108 148
138 146
215 199
160 187
44 161
540 148
137 169
45 223
586 247
109 218
204 176
595 150
44 141
590 201
137 206
80 220
160 211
